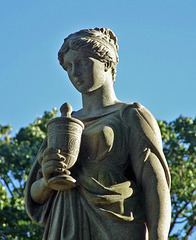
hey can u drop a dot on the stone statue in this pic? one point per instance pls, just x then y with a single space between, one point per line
121 181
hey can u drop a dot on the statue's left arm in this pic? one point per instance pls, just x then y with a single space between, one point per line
150 168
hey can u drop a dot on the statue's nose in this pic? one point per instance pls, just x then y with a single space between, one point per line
75 69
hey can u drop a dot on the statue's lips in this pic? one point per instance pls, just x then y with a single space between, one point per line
79 82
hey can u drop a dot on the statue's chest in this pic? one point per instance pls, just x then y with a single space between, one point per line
101 138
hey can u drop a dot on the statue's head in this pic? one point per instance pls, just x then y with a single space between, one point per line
101 42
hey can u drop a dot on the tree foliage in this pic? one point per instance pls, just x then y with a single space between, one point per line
179 142
18 153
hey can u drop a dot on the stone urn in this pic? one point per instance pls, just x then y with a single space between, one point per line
64 134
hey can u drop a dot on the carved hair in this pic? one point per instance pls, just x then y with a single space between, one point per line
101 42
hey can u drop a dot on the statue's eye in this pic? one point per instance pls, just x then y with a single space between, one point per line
68 66
84 61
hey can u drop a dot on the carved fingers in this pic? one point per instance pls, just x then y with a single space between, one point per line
53 162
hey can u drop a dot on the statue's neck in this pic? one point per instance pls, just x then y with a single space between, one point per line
97 101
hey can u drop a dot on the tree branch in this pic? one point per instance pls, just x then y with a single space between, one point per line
177 214
7 185
14 186
189 232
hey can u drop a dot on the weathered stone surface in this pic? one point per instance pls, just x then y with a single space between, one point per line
122 178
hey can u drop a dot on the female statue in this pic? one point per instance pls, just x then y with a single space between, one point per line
122 178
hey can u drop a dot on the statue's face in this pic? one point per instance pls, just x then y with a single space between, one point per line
86 73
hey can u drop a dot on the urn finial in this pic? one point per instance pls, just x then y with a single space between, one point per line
66 110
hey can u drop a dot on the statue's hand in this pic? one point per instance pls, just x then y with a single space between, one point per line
53 162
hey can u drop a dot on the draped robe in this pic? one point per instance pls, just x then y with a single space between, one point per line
107 200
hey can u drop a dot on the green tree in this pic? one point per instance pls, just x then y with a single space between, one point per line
18 153
16 158
179 145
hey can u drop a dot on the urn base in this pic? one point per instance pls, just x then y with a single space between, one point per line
62 183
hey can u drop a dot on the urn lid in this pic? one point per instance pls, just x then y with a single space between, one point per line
66 117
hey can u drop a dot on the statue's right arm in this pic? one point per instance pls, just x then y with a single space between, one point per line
51 161
40 192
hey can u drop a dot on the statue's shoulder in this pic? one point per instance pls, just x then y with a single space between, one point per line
137 112
141 120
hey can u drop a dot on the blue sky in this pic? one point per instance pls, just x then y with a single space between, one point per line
157 54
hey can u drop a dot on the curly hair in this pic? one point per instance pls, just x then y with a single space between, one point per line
101 42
